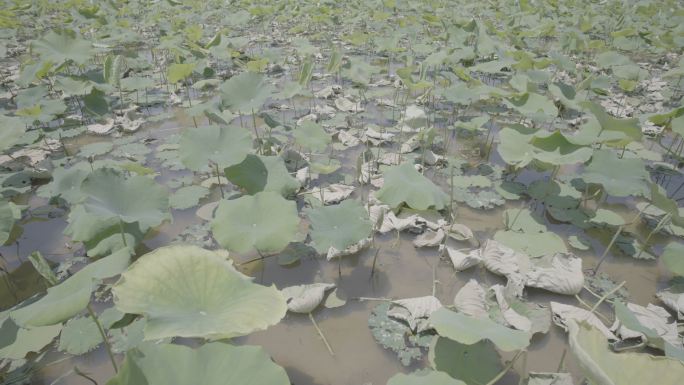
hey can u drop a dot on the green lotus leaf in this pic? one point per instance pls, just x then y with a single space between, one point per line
70 297
61 47
79 336
187 291
478 363
602 366
178 72
514 147
262 173
223 145
534 106
187 196
619 177
9 214
265 221
534 244
554 148
427 377
245 92
629 127
135 199
403 184
17 342
214 363
470 330
673 258
312 136
65 183
339 226
13 129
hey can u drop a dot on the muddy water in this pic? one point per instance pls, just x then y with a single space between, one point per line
401 271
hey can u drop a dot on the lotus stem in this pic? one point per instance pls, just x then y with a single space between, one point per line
320 333
523 373
82 374
218 180
108 347
123 234
605 296
375 258
505 369
562 359
605 252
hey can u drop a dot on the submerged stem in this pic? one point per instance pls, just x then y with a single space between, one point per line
320 333
505 369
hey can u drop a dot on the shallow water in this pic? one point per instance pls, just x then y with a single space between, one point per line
401 271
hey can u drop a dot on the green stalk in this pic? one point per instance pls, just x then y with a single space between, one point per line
108 347
123 235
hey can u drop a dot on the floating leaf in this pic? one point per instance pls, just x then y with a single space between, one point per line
424 378
469 330
265 221
673 258
135 199
70 297
339 226
222 145
619 177
478 363
211 364
403 184
262 173
187 291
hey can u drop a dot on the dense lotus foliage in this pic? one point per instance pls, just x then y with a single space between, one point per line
341 192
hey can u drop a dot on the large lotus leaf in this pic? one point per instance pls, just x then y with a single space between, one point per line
403 184
17 342
619 177
61 47
312 136
245 92
514 147
70 297
265 221
629 127
135 199
470 330
223 145
214 363
602 366
478 363
65 183
339 226
13 129
262 173
424 378
534 106
555 149
187 291
673 258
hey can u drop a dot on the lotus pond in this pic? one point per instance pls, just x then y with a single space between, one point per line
439 192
